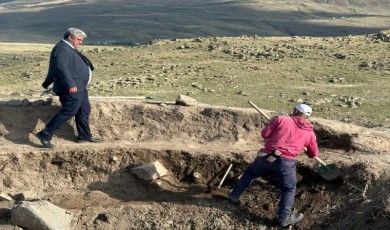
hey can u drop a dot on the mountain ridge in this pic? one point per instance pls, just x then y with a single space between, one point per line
143 21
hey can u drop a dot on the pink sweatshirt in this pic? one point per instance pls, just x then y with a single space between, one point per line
290 135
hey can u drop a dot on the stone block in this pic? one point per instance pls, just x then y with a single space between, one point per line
40 215
150 171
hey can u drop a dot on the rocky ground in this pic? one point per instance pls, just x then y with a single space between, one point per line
94 182
342 78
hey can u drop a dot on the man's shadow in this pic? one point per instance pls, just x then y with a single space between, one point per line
19 123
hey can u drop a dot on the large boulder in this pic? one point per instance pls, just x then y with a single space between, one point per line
40 215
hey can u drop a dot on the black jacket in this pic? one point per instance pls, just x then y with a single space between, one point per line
67 69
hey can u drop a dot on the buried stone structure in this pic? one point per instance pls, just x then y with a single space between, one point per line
195 144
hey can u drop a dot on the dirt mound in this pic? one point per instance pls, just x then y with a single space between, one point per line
94 181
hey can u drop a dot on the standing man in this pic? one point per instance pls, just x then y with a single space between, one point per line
70 71
286 137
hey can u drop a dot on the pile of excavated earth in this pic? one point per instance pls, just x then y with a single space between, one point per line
185 150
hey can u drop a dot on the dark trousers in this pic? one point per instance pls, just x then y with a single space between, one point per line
285 171
74 104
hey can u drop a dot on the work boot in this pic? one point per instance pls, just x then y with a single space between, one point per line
294 218
232 198
44 141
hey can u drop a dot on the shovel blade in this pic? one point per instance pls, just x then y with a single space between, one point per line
221 192
329 172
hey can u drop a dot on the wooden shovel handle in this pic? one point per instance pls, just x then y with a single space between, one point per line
259 110
317 159
224 176
321 161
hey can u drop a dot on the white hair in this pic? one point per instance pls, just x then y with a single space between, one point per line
74 32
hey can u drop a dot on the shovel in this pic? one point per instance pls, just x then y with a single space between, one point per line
219 191
328 172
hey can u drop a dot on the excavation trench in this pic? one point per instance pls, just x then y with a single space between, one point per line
94 181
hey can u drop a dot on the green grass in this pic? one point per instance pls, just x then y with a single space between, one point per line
275 73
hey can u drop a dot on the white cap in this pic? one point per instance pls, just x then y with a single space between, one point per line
305 109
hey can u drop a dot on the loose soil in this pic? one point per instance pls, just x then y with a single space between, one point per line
94 182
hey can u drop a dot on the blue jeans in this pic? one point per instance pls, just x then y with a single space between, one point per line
285 171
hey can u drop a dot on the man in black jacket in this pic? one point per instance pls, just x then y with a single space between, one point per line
70 71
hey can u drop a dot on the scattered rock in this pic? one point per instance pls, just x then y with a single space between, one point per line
5 196
383 35
185 100
340 56
150 171
198 177
350 101
29 196
243 93
337 79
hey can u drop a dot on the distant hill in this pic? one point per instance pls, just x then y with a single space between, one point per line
124 21
358 3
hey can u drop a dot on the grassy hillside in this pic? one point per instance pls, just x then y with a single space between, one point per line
146 20
343 78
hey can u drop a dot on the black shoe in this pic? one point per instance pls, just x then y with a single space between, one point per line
294 218
233 199
93 140
45 142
